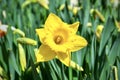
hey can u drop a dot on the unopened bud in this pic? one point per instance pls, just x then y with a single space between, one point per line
38 69
27 2
100 15
99 31
115 71
20 32
44 3
27 41
75 10
89 24
92 11
117 25
4 13
75 66
69 7
62 7
1 71
22 57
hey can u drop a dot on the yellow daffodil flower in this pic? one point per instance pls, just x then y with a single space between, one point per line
58 39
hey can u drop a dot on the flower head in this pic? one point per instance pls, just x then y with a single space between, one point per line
59 39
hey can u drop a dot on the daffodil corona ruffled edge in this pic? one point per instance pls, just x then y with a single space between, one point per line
58 39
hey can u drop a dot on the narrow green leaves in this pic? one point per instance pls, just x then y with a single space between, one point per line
114 51
86 10
108 28
13 64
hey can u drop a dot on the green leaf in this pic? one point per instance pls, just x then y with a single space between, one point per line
52 72
86 10
114 51
12 62
12 71
108 28
103 72
2 60
92 54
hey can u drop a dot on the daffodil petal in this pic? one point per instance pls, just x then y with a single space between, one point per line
41 34
78 42
75 26
64 58
45 54
52 22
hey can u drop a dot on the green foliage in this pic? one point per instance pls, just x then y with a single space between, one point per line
100 59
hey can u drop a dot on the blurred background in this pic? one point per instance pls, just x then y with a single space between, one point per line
99 25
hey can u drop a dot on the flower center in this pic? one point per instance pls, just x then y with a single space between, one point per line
58 39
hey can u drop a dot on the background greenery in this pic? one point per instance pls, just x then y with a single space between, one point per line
100 59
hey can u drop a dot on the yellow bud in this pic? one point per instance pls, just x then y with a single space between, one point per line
92 11
75 10
3 74
22 57
100 15
1 71
19 32
62 7
115 71
27 2
117 25
38 69
75 66
44 3
69 7
89 24
4 13
99 31
27 41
